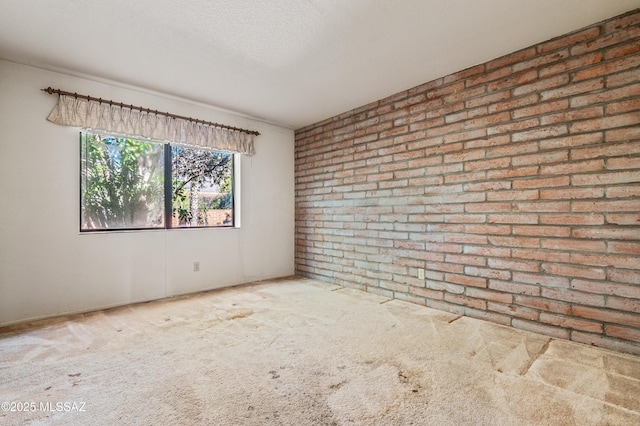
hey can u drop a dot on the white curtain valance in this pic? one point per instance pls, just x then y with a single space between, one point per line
111 117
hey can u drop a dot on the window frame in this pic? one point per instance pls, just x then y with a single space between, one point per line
167 193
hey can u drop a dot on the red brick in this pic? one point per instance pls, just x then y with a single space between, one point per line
393 286
487 76
447 307
513 149
572 219
465 177
572 115
487 99
514 241
542 158
573 323
514 288
425 87
571 64
487 164
487 208
510 104
447 287
541 183
443 90
461 259
464 94
464 156
632 277
608 233
623 304
542 231
487 120
514 80
608 150
569 40
445 267
487 316
465 301
513 172
610 67
623 332
622 21
606 206
515 265
540 109
444 169
624 219
572 167
539 61
622 78
607 316
512 218
487 273
573 271
479 293
623 106
529 194
419 135
546 84
427 124
605 123
623 34
425 292
555 194
513 310
606 287
573 89
574 297
623 191
623 163
561 244
626 248
544 280
461 75
605 342
512 58
542 206
616 261
465 135
466 280
484 186
513 126
444 248
488 229
543 304
535 327
606 96
465 218
486 250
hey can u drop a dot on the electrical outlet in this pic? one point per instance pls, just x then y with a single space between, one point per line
196 266
421 274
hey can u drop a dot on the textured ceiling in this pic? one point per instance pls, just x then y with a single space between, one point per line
289 62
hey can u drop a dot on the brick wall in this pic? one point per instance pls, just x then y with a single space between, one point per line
514 184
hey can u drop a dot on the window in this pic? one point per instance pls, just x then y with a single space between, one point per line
139 184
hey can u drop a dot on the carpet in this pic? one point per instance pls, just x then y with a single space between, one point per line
299 352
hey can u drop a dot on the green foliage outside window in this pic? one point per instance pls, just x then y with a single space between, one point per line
123 185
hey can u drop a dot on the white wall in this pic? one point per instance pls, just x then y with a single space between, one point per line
47 268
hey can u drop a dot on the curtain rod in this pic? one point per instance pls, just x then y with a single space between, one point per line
51 91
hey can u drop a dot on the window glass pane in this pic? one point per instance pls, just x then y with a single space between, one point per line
202 187
122 183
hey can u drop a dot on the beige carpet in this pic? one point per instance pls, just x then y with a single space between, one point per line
298 352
